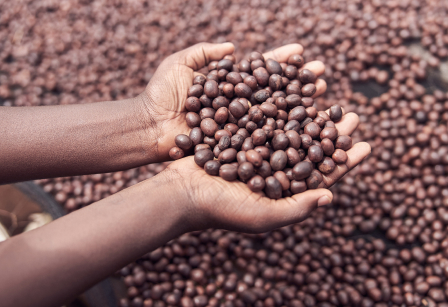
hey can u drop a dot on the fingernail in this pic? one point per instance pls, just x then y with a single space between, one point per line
323 201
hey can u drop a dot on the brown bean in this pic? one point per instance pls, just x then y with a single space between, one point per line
339 156
209 127
308 90
258 137
343 142
265 169
220 102
195 90
228 155
296 60
228 172
315 178
254 157
205 101
312 129
273 188
273 67
236 141
192 104
315 153
202 156
290 72
262 76
307 76
192 119
234 78
294 139
302 170
256 64
255 114
199 79
292 125
326 166
281 103
242 90
327 146
275 82
237 109
225 64
224 142
307 102
221 115
247 144
211 89
246 171
298 186
183 142
228 90
256 183
261 95
293 89
196 135
280 142
335 113
269 109
329 133
297 113
176 153
278 160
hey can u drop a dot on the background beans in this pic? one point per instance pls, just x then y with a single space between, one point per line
52 59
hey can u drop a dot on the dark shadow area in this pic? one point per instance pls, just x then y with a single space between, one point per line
370 88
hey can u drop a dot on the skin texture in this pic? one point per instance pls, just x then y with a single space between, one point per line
54 263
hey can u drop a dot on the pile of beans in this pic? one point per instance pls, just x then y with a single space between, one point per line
261 114
62 52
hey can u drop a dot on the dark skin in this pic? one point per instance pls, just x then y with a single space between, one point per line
52 264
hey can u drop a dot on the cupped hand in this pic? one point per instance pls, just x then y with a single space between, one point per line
212 202
165 95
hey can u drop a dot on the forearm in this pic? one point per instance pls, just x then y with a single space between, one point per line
53 141
63 258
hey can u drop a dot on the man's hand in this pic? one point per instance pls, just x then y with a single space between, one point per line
165 95
213 202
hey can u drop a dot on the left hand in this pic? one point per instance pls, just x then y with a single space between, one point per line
164 97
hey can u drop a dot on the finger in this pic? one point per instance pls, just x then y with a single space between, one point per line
298 207
201 54
282 54
321 87
316 67
348 124
355 155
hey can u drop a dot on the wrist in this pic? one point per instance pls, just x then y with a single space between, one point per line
177 185
149 131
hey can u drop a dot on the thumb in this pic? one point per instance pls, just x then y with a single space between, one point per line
298 207
201 54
